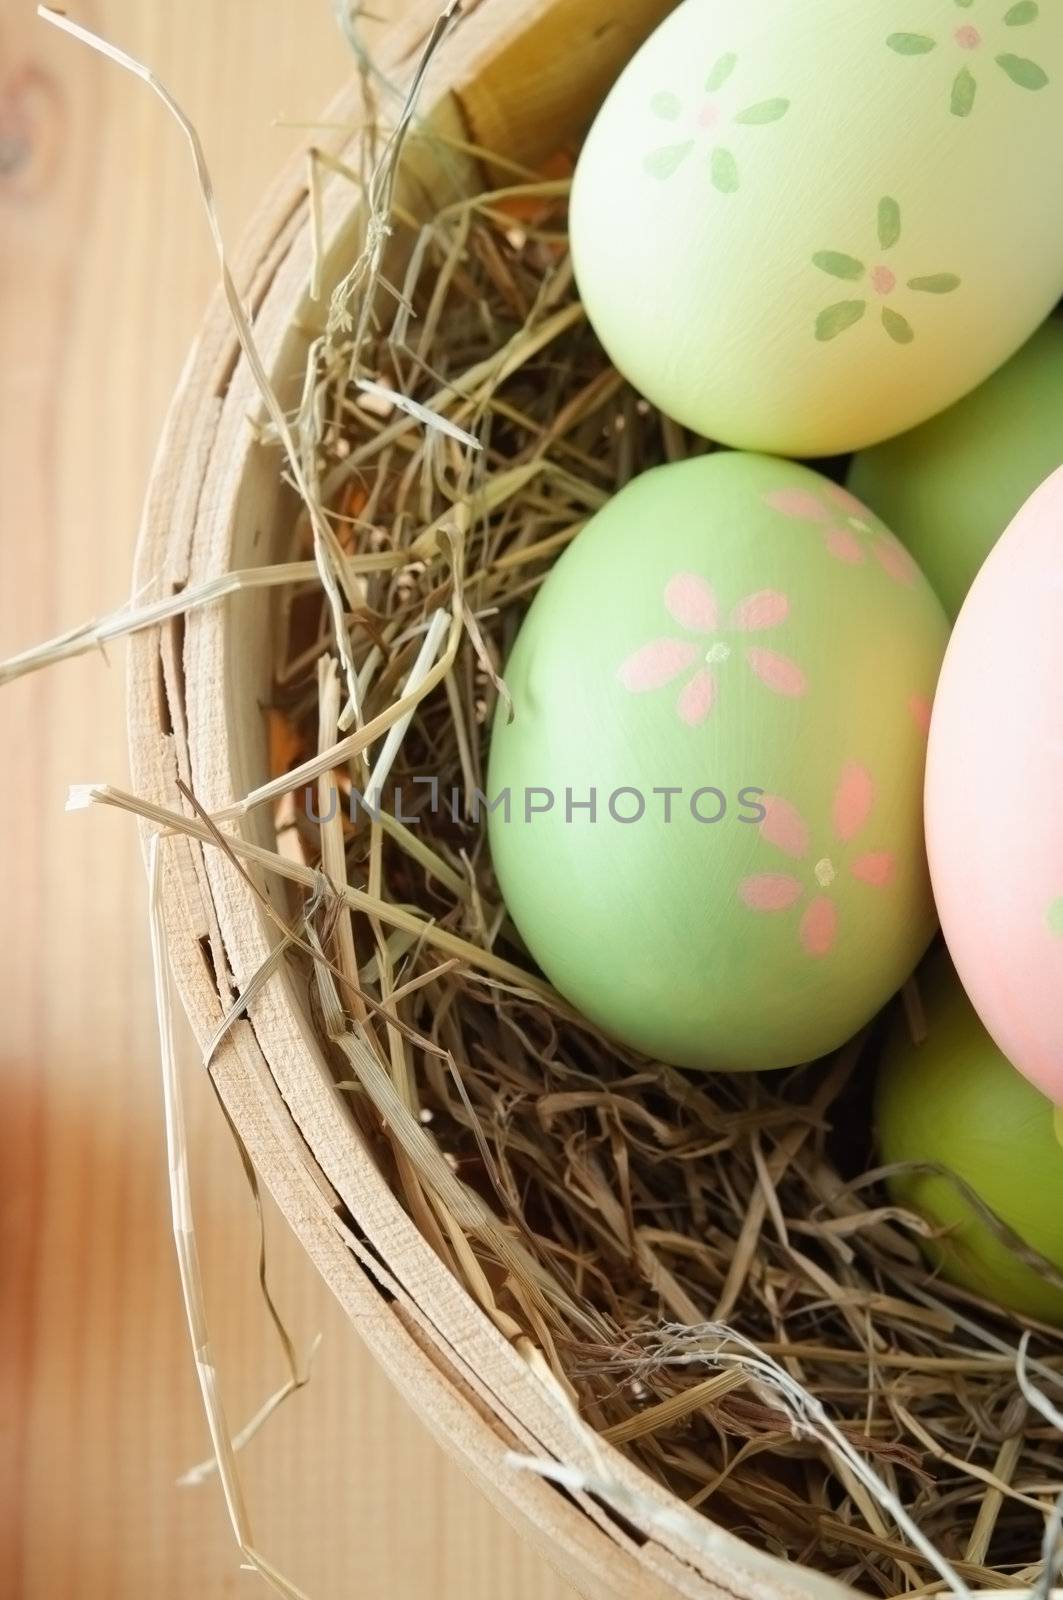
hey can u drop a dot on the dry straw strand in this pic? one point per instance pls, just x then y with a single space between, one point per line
225 1446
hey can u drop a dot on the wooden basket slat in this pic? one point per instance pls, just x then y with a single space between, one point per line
528 92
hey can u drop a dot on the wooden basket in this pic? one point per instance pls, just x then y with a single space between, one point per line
518 77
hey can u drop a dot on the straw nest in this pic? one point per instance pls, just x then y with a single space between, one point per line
610 1208
459 425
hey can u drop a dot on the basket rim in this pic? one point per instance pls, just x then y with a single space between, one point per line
477 1392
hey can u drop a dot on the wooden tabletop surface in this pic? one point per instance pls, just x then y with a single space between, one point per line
105 267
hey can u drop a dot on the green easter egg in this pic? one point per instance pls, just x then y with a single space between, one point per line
950 487
713 838
955 1101
806 227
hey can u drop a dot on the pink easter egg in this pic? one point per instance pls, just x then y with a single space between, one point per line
994 792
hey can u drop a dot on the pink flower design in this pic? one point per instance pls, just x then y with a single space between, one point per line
849 528
786 830
691 602
691 121
920 708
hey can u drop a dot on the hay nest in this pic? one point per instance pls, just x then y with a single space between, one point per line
612 1209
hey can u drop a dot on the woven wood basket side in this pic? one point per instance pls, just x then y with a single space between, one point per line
518 76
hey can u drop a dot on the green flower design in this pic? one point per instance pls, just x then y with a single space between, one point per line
881 280
966 37
705 118
1054 917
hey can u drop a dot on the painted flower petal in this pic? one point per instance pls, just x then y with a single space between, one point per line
661 163
697 698
1027 74
724 169
899 328
838 264
853 800
667 105
836 318
784 826
778 673
721 71
770 891
920 709
889 222
800 503
656 664
847 502
964 89
764 111
1023 12
845 546
819 927
765 609
692 602
894 559
911 44
935 283
876 868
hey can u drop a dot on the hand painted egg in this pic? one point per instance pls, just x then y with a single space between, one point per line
955 1101
994 791
713 842
803 228
950 488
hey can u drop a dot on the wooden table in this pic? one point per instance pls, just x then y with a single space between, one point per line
105 266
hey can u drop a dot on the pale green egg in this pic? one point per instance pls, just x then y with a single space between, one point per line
955 1102
948 489
707 807
806 227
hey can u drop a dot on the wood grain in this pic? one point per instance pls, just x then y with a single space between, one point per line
104 270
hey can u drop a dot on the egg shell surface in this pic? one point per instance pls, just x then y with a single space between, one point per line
804 228
954 1100
994 791
740 631
949 488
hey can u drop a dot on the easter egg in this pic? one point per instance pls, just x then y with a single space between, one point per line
954 1101
949 488
803 228
706 815
994 791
